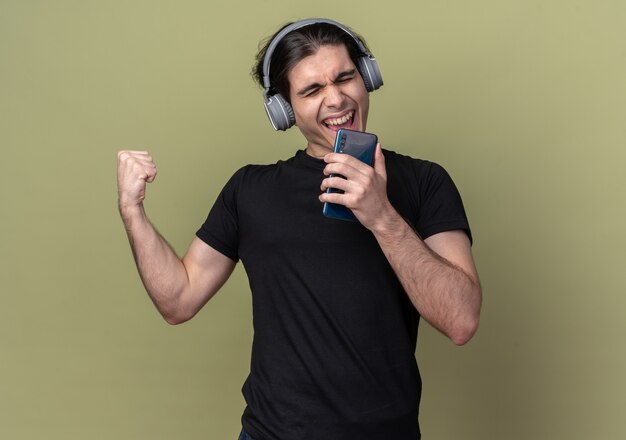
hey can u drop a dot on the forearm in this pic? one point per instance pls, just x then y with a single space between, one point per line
163 274
444 294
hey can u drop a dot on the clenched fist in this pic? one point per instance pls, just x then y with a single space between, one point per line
134 170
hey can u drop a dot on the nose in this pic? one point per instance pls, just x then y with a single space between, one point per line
334 96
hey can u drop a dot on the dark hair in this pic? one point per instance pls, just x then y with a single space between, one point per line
297 45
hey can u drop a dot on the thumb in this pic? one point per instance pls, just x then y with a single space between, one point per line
150 175
379 162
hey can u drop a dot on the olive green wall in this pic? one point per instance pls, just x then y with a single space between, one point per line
522 101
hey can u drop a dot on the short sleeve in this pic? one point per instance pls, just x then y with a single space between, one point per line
441 208
220 230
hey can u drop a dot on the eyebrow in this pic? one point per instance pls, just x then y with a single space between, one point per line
313 86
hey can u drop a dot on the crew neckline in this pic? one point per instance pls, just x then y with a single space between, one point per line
302 158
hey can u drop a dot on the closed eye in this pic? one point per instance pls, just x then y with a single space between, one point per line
313 89
312 92
309 90
345 76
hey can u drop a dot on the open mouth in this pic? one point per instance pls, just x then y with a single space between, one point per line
341 122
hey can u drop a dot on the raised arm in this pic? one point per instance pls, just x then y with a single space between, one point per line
178 288
438 273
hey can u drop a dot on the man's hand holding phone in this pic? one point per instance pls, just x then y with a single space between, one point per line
364 187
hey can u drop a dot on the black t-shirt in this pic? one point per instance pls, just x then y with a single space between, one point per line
334 331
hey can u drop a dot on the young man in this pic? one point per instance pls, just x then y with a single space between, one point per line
336 304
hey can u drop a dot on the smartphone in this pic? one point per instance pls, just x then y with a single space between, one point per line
360 145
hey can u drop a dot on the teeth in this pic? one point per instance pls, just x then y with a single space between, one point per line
339 121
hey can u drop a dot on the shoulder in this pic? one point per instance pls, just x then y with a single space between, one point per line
421 170
250 172
254 178
434 200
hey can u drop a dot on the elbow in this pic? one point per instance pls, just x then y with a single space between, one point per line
463 333
176 317
174 320
467 324
175 310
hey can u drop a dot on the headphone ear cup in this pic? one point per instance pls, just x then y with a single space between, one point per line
279 111
368 68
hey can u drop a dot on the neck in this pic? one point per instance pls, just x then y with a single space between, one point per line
317 151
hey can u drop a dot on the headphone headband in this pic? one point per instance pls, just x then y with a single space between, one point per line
297 25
